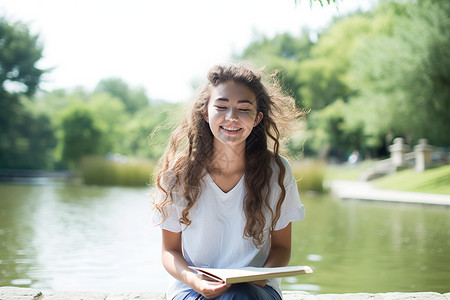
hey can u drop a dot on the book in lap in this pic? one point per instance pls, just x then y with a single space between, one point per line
249 274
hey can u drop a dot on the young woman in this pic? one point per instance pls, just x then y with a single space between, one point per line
225 196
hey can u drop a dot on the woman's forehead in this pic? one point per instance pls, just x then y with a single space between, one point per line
233 91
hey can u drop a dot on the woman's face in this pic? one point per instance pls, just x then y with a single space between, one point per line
232 113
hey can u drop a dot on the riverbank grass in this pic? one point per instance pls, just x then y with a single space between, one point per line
101 171
309 175
435 181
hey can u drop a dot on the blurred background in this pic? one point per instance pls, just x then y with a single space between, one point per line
90 91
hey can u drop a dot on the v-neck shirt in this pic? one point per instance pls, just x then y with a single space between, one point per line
220 193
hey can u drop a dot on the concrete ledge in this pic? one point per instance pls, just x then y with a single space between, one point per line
15 293
365 191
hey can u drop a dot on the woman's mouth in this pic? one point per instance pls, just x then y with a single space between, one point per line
231 130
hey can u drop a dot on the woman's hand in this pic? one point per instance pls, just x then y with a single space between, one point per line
177 266
210 289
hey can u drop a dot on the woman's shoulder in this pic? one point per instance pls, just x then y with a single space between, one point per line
168 172
283 160
288 175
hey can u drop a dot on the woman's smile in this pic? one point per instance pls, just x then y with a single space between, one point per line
231 129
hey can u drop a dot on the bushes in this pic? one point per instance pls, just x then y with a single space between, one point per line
309 175
102 171
126 172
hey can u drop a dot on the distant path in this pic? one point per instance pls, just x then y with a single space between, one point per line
362 190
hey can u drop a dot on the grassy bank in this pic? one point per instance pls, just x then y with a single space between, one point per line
436 181
346 171
101 171
310 175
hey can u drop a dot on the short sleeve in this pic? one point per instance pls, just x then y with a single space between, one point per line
171 220
292 209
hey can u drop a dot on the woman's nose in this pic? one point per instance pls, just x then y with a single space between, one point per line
231 115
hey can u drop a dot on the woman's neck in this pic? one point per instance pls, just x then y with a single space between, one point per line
228 159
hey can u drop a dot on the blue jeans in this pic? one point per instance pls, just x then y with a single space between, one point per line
240 291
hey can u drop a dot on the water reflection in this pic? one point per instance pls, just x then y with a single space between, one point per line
17 254
72 237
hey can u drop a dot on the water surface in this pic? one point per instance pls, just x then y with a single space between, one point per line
364 246
74 237
79 238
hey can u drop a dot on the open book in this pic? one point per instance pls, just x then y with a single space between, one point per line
248 274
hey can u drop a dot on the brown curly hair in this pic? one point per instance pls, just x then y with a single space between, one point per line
190 149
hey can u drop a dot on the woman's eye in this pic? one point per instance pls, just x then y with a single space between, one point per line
244 110
220 107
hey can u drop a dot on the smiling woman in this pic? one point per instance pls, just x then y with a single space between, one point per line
221 181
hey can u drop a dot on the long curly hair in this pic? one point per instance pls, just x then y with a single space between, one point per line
190 149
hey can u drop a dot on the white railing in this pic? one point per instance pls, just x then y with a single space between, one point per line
423 157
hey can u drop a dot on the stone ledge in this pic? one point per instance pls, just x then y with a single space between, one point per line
15 293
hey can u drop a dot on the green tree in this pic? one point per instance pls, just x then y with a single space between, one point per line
342 135
404 75
26 138
81 135
133 98
370 76
29 141
19 53
111 117
320 1
121 131
324 76
149 130
281 54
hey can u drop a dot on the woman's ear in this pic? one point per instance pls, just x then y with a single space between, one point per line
258 119
205 114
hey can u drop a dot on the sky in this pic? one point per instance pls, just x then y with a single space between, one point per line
163 46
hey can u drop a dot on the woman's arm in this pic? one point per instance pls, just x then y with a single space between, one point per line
280 250
174 262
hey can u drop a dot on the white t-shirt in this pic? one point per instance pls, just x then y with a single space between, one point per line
215 238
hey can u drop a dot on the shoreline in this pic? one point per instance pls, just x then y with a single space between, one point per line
361 190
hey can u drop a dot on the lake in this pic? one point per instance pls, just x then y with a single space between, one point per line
56 236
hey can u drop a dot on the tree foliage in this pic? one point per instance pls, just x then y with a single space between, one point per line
121 131
26 140
25 137
281 54
56 129
368 78
133 98
371 77
405 74
19 53
81 135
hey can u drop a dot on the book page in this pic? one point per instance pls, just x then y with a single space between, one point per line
251 273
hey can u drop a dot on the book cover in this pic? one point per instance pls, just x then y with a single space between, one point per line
247 274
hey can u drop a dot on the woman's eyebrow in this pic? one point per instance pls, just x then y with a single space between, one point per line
222 99
246 101
239 101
